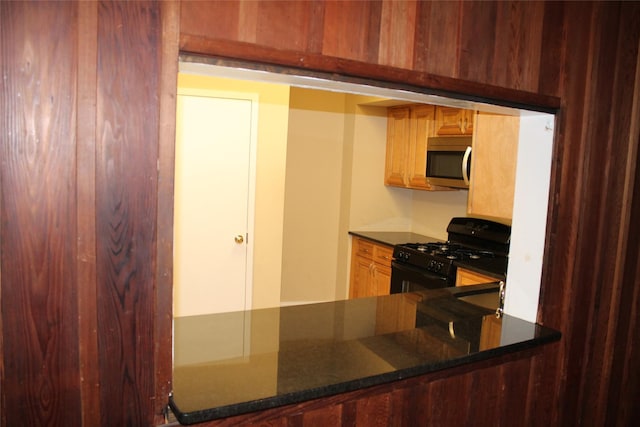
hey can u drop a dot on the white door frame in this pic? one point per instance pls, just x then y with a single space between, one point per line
251 205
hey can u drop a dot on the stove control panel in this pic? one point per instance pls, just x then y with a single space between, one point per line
402 255
434 266
421 260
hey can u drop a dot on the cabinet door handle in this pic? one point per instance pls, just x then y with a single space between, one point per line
465 165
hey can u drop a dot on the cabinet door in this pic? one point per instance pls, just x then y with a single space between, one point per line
422 124
397 146
381 280
370 268
493 166
361 283
454 121
467 277
490 333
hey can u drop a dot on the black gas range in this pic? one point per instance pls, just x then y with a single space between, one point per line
473 243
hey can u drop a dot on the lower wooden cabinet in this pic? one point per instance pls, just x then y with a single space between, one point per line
467 277
370 268
490 333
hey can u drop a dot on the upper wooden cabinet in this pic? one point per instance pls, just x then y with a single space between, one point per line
454 121
398 129
408 128
493 166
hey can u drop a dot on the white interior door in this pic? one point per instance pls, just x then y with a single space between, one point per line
212 200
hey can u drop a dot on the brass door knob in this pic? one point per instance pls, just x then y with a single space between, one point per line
239 239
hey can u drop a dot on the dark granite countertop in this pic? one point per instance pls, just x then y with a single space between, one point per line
393 238
232 363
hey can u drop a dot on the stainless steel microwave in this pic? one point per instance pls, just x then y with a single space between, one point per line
449 161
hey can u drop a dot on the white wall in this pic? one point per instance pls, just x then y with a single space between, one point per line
529 223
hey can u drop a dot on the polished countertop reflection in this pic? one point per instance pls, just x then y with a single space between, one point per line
232 363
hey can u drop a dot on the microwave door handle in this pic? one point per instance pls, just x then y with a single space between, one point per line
465 165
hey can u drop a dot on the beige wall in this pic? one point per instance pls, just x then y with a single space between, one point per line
313 195
320 169
432 210
273 115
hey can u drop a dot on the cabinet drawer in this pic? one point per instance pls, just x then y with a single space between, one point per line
383 254
364 248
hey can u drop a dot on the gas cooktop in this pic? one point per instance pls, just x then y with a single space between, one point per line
473 243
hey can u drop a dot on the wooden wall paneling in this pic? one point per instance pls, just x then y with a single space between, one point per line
340 37
436 405
126 201
232 20
374 410
315 39
86 212
168 84
560 297
513 385
487 407
477 41
602 179
399 398
437 38
38 60
553 51
625 361
516 53
569 256
559 258
287 24
620 149
397 33
326 416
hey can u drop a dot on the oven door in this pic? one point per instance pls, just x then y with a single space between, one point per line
407 278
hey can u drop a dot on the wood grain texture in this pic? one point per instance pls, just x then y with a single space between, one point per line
625 360
86 212
397 32
163 310
436 44
126 203
339 37
582 57
40 373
